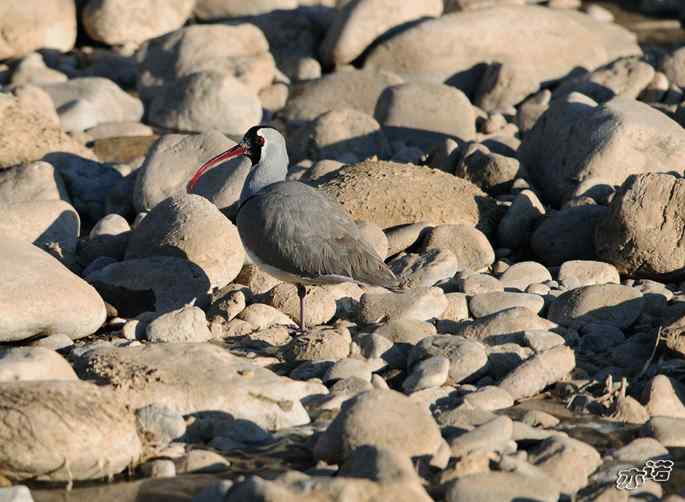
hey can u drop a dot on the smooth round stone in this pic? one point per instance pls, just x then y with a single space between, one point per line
320 304
34 363
431 372
489 398
421 304
346 368
670 432
57 342
479 283
539 371
521 275
187 324
639 450
404 236
613 304
190 226
382 418
488 303
425 270
320 343
662 397
538 289
587 273
467 357
540 340
378 464
468 244
158 468
160 424
40 296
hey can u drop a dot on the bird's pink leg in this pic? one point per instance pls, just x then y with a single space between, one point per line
301 292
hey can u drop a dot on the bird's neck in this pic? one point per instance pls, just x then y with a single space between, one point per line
261 176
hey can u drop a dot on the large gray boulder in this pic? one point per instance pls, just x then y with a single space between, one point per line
382 418
205 101
626 77
49 224
522 43
341 134
611 304
189 226
36 24
38 295
31 182
642 234
359 23
86 102
425 113
239 51
576 145
567 234
172 161
118 22
355 89
294 35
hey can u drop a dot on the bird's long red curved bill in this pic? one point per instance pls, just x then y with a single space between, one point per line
236 151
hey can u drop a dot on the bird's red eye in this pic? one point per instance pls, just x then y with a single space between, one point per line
261 140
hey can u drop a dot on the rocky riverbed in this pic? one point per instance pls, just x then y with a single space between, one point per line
518 164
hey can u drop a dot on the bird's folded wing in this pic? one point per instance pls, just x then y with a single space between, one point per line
300 231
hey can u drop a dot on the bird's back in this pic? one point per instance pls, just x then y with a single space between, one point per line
299 230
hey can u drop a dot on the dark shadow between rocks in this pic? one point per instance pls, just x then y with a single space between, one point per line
367 145
384 37
67 223
88 183
421 138
468 81
489 215
130 303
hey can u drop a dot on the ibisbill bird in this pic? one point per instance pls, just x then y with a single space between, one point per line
293 231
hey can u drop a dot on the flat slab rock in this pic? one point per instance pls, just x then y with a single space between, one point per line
59 431
522 39
390 194
194 377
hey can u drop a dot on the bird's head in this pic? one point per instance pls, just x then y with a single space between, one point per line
259 142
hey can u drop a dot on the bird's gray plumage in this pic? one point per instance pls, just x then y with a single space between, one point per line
292 230
297 229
